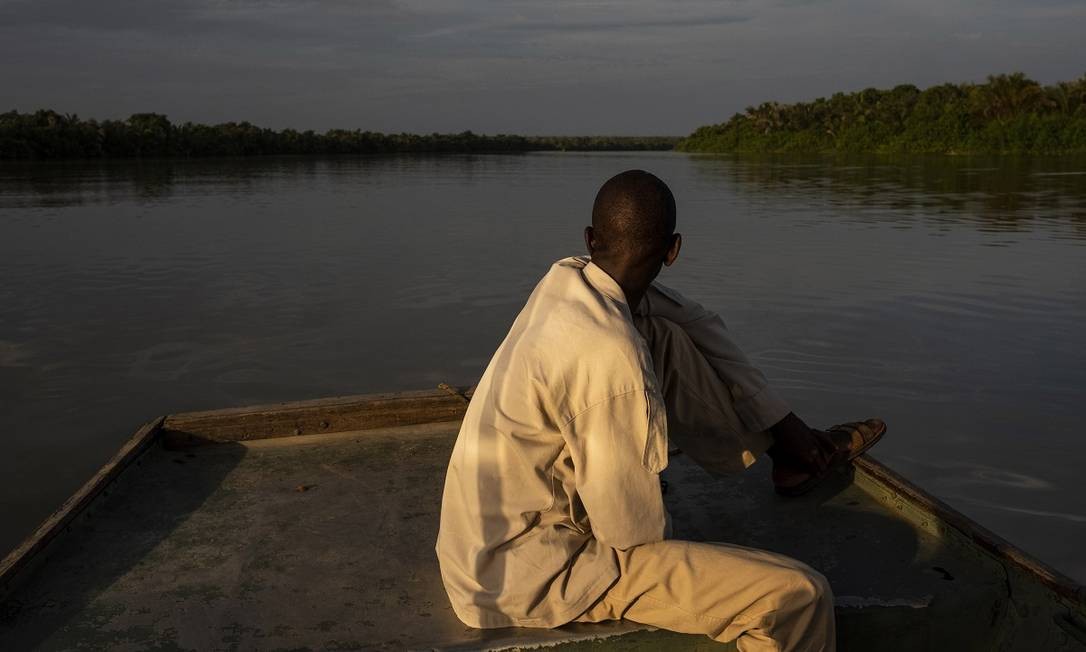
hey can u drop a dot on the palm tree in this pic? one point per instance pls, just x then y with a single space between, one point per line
1005 96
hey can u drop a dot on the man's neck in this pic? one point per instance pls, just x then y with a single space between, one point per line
633 281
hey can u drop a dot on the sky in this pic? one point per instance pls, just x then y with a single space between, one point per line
541 67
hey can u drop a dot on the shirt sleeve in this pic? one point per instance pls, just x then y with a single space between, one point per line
619 448
756 402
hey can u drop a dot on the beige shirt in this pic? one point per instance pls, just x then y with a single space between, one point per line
558 457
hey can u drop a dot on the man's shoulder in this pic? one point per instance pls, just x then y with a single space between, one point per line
567 316
566 302
566 270
572 338
571 262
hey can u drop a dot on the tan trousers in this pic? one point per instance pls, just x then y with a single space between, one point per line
764 600
701 417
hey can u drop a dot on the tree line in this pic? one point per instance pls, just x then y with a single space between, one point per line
1010 113
46 134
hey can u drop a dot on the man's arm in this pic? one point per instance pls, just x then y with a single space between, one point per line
756 402
619 447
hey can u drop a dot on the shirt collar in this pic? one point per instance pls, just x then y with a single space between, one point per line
603 282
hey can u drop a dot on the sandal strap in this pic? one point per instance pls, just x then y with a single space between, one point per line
857 436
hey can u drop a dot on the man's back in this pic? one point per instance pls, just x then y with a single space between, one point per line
517 545
552 509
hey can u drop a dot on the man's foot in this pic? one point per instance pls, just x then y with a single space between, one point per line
800 463
796 449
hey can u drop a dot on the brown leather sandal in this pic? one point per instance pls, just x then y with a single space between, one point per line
841 444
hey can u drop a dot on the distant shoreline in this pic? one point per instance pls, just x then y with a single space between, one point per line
1009 114
48 135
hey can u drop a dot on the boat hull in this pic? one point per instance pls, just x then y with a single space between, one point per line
311 525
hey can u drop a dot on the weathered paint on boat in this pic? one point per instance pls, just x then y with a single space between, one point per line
310 525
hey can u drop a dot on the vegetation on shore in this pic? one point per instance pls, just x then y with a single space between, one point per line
1008 114
50 135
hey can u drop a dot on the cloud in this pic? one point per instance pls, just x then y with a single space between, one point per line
616 24
639 66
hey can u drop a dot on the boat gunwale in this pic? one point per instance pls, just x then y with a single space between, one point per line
988 541
315 416
372 411
57 523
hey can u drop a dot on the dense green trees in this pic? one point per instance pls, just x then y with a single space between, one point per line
51 135
1008 114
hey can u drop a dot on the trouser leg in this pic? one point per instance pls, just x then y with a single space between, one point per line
765 600
701 417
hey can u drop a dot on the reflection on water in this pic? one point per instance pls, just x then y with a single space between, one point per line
992 194
945 295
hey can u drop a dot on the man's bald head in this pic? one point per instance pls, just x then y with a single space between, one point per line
633 216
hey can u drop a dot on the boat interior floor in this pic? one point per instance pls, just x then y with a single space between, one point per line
327 542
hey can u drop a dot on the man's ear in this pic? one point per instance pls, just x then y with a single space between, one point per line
588 240
673 250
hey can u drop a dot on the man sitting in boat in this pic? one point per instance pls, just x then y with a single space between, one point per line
552 510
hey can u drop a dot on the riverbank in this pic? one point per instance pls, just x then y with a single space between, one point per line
48 135
1007 114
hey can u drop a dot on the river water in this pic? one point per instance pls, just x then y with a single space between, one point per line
945 295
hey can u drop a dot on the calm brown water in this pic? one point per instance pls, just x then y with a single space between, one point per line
946 295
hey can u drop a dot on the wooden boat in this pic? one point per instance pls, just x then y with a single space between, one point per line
311 525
